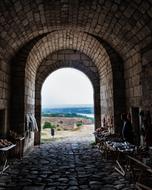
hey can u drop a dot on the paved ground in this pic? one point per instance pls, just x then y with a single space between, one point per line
69 164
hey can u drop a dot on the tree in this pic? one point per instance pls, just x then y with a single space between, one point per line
79 123
48 125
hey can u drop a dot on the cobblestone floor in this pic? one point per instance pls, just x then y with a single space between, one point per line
69 164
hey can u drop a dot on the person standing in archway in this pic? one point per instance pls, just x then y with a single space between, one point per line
148 129
127 131
52 132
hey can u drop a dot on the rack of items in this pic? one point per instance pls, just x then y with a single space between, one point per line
131 160
115 148
19 141
5 147
141 167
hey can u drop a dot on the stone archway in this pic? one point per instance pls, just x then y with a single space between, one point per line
64 59
100 29
84 43
105 61
69 40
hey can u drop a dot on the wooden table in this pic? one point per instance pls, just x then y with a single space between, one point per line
143 170
115 153
142 164
4 152
120 157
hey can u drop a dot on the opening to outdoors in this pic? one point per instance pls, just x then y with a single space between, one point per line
67 106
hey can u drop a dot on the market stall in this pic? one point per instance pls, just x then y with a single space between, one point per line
114 147
19 141
5 147
141 167
130 160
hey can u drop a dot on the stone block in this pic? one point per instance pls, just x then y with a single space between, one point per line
147 57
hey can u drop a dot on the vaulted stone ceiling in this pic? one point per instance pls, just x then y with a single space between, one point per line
122 23
115 35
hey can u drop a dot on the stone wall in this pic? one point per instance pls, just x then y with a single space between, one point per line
115 35
146 78
5 87
4 96
132 73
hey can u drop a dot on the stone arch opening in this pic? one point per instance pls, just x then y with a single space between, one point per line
67 90
67 59
105 62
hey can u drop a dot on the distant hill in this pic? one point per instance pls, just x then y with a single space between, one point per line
69 110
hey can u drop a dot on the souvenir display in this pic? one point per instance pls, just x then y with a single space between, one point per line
5 143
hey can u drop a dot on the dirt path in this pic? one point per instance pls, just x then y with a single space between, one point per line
86 130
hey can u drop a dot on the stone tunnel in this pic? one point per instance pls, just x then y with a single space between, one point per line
110 41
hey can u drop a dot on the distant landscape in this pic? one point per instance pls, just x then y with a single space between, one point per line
86 111
67 121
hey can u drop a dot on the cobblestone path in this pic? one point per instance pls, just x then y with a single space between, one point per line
69 164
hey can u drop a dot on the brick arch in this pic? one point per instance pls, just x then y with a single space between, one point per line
33 55
67 58
125 25
72 59
106 59
64 40
40 50
92 47
18 63
121 23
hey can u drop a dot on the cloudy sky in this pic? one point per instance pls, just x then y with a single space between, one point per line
65 87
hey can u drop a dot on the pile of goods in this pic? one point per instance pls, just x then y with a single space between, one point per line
4 143
103 134
101 129
121 146
113 141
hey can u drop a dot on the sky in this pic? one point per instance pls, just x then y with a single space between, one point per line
66 87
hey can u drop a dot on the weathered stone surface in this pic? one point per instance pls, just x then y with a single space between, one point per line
119 186
34 188
96 173
110 42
